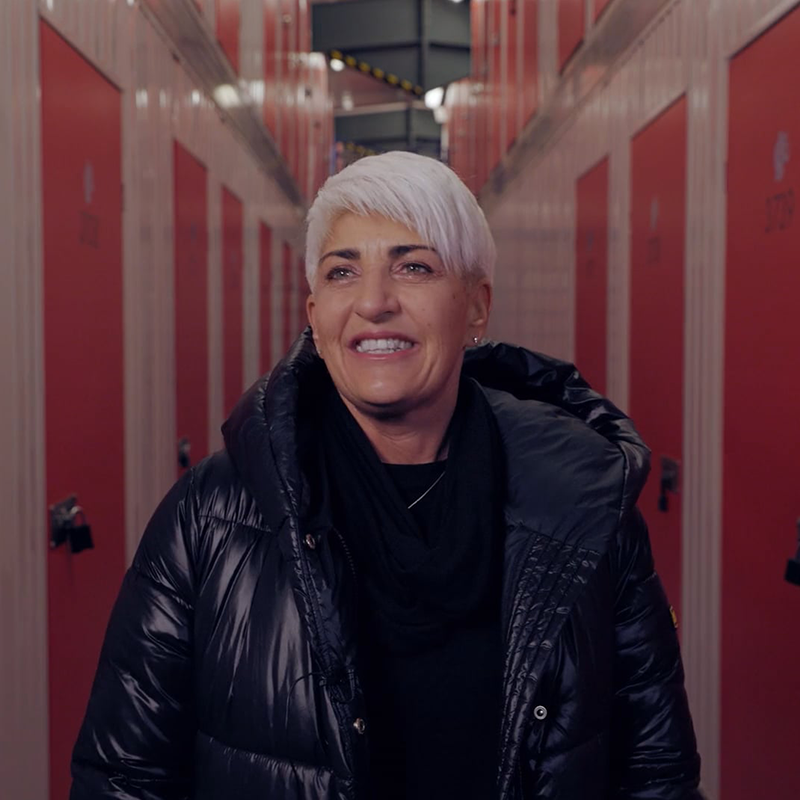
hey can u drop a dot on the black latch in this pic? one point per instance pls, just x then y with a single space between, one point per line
184 453
793 564
670 481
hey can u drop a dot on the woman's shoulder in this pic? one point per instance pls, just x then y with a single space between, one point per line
564 479
533 426
220 494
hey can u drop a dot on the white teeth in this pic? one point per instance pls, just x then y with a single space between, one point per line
382 346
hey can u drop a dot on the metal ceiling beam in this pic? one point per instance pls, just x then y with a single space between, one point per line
399 36
193 44
424 42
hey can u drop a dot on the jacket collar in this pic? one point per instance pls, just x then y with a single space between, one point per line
263 434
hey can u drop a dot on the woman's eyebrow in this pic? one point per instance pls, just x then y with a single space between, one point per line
395 252
350 255
403 249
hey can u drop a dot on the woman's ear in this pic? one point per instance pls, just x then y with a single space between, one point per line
310 308
479 307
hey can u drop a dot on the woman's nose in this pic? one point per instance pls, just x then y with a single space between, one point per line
376 297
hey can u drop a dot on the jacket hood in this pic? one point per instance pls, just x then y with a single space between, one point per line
264 438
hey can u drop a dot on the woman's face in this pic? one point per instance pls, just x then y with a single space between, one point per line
390 323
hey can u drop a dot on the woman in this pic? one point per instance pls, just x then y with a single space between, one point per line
415 571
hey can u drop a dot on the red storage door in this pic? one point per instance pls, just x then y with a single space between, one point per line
228 24
591 275
288 82
457 128
480 69
232 298
271 65
658 211
265 279
571 26
191 307
599 6
302 96
530 58
513 83
286 298
495 97
301 295
83 362
761 468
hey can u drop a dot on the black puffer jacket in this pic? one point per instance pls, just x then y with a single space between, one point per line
229 666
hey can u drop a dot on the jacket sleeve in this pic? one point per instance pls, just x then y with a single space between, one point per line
654 752
137 737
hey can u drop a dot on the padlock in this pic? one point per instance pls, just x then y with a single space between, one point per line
80 535
68 523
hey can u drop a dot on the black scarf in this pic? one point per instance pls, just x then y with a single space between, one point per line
414 590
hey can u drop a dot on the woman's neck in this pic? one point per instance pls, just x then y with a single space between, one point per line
417 437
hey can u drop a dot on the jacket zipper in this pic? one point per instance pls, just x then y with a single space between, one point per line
347 553
343 723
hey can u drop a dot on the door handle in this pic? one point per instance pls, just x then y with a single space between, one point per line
670 482
68 524
793 564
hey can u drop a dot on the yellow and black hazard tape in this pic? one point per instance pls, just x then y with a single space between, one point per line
377 72
360 150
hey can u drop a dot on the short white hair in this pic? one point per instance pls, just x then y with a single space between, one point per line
419 192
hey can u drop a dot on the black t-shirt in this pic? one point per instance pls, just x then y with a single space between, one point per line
434 716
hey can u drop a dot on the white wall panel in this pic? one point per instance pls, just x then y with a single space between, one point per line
684 50
24 749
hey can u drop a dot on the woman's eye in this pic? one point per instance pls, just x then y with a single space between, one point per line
338 273
415 268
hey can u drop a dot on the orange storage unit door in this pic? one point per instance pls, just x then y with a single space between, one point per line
760 691
571 25
272 65
658 233
228 13
480 70
496 95
83 362
303 95
591 275
512 87
191 307
530 58
322 127
286 298
288 83
232 299
265 295
456 127
301 295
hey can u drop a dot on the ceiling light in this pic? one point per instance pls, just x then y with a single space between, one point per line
434 97
347 101
226 96
337 65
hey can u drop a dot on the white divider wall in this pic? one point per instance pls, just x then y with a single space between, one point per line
24 745
686 49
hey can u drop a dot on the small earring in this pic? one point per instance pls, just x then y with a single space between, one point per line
475 340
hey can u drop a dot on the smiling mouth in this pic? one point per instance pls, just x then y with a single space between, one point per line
382 347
